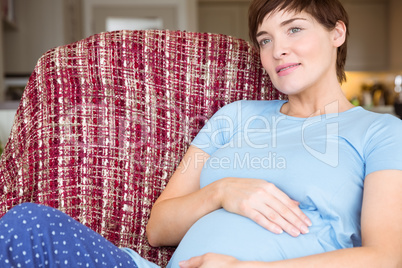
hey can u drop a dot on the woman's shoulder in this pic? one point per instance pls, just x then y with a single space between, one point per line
377 128
378 120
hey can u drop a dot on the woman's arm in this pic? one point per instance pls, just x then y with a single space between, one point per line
381 222
182 203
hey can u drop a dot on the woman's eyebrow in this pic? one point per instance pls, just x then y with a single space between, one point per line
261 33
283 23
286 22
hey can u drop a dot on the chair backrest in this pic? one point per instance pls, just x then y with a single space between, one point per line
104 122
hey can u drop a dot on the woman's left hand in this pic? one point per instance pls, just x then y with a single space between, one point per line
211 260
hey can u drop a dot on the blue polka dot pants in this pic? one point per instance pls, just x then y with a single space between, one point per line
33 235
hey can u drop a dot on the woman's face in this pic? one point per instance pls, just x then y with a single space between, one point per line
298 53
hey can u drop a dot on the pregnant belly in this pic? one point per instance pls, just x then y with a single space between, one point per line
227 233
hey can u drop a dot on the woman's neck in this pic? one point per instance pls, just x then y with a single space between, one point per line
306 106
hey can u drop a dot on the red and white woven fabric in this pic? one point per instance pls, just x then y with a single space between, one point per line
104 122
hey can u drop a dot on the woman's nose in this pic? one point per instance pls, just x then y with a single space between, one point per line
280 49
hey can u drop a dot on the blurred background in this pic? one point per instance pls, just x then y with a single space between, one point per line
31 27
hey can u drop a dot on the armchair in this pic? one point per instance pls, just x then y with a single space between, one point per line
104 122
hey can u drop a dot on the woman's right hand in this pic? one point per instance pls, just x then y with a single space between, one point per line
263 203
182 203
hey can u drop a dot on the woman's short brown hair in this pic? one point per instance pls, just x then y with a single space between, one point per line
326 12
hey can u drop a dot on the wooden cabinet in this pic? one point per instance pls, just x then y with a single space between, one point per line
8 13
368 46
395 36
7 21
228 17
39 26
1 62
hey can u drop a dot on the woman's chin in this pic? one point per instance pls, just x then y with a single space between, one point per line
289 90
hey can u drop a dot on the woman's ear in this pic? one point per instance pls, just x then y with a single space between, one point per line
340 32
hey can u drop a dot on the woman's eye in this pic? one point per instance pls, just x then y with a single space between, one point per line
294 30
264 42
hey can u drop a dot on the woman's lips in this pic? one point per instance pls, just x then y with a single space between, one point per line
286 68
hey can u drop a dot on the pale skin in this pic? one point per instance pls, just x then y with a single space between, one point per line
297 39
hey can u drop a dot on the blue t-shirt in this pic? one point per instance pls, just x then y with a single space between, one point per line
320 161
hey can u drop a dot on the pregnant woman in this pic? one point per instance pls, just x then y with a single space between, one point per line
312 181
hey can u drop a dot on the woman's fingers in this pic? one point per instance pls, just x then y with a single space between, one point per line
210 260
265 204
263 221
285 220
274 210
290 204
284 212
